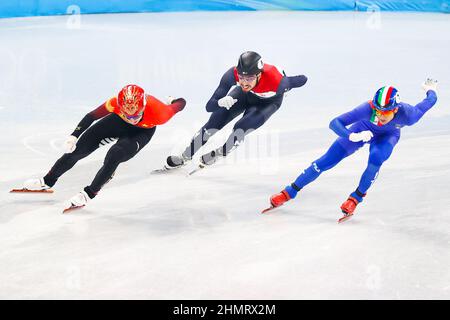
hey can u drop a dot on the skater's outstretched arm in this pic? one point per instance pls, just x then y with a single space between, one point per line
160 112
89 118
103 110
225 85
288 83
415 113
339 124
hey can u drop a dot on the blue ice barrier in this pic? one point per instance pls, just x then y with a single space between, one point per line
404 5
21 8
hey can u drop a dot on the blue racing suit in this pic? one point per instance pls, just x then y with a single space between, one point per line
385 137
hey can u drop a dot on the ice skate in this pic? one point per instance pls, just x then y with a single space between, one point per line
207 159
36 185
277 200
348 209
172 163
78 201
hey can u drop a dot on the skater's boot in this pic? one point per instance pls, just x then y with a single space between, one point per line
175 162
279 199
211 157
80 199
77 201
36 184
349 206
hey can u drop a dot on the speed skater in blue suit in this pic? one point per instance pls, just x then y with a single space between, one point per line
378 123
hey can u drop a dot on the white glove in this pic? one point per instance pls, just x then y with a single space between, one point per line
169 99
70 144
429 84
226 102
363 136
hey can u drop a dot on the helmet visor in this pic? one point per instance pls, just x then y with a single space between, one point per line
384 112
247 78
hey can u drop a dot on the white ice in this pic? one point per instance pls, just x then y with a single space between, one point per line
202 237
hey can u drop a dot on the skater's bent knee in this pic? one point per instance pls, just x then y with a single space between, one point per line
325 163
377 159
75 156
116 154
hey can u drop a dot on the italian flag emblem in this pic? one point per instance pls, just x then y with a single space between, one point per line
374 119
385 96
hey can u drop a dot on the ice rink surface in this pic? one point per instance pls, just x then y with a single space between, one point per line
202 237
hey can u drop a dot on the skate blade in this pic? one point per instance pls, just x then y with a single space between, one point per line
165 170
345 217
72 208
268 209
23 190
200 167
160 171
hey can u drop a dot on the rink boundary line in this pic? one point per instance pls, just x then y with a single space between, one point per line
26 144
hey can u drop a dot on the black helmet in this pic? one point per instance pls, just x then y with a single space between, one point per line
249 63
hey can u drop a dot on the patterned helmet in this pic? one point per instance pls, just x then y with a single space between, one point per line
386 98
131 101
